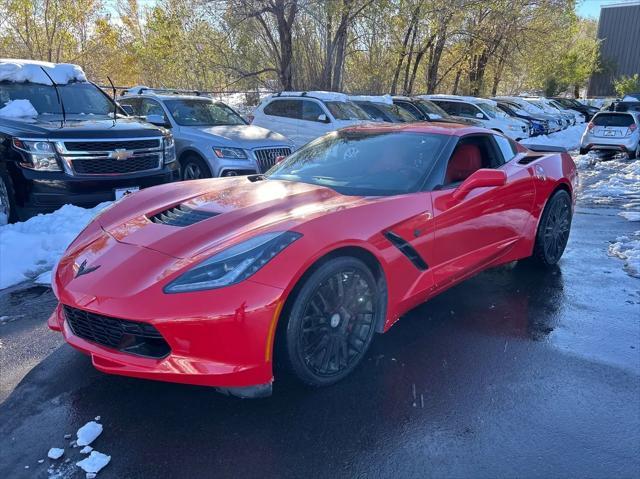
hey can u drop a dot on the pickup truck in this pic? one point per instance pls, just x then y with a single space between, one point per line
65 140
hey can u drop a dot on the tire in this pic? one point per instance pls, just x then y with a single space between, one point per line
634 154
328 331
193 167
553 230
8 209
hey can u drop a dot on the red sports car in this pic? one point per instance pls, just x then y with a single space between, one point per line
204 282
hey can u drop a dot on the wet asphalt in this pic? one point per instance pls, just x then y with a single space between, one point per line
514 373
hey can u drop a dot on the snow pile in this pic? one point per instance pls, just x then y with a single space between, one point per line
372 98
55 453
88 433
20 71
94 463
627 248
33 247
569 138
630 215
613 182
18 109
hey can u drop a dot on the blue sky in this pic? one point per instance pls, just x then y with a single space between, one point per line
591 8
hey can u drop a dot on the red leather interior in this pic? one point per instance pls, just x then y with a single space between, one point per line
465 160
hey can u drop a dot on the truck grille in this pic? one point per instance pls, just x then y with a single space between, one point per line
109 166
111 157
112 145
128 336
267 157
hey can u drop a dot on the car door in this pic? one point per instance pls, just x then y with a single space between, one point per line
489 222
315 120
281 115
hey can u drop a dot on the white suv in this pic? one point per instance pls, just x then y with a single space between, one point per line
304 116
484 110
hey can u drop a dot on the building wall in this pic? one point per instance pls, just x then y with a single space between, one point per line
619 30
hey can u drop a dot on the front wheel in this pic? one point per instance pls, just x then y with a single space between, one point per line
553 230
332 321
194 168
7 205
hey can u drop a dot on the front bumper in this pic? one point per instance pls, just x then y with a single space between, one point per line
219 339
43 191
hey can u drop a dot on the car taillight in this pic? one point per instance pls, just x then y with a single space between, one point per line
633 127
590 126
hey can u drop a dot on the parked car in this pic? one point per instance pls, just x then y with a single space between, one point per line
425 110
613 131
577 116
304 116
209 282
484 110
567 119
573 104
382 108
537 124
211 138
556 123
64 140
623 105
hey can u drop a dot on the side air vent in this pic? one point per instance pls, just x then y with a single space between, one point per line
406 249
529 159
181 215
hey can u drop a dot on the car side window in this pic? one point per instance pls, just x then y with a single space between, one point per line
507 147
412 109
468 110
373 111
472 153
284 108
151 107
311 111
134 103
449 107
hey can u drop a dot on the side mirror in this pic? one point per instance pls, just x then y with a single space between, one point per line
323 118
480 116
128 109
157 120
481 178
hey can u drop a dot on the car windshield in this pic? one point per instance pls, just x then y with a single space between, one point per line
364 163
431 109
346 110
492 111
394 112
79 98
202 112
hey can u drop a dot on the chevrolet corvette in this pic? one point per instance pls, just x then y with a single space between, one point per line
209 281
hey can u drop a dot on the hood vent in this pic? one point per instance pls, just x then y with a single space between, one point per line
181 215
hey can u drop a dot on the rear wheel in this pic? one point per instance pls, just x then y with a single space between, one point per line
553 230
635 154
332 321
194 168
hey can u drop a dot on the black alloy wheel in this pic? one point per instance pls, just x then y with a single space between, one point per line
554 228
332 321
193 168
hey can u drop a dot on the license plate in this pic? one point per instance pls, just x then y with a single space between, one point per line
609 133
120 192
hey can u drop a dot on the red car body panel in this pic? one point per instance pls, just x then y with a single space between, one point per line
224 337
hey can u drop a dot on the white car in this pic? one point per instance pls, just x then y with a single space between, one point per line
484 110
614 132
305 116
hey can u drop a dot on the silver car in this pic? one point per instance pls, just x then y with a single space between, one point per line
211 138
613 131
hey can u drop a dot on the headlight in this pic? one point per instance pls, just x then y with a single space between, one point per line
230 153
169 149
234 264
41 155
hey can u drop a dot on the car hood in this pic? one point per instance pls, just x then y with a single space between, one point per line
79 126
240 136
239 210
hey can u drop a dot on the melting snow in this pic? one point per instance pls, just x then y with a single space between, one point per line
569 138
20 71
375 99
94 463
86 450
631 215
88 433
627 248
55 453
31 249
18 109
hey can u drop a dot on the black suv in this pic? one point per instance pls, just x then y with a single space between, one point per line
77 147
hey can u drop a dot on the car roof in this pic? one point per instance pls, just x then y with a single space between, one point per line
434 127
156 96
467 99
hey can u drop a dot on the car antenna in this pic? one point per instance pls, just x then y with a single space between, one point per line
55 87
115 105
